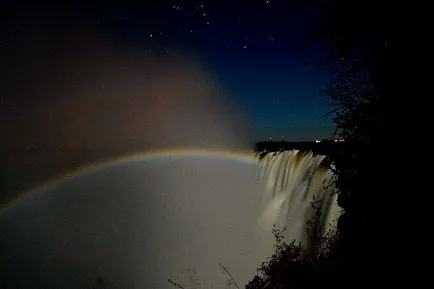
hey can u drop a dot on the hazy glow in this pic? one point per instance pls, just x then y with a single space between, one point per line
99 100
140 221
243 156
100 96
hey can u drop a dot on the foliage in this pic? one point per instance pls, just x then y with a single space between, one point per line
353 97
295 266
231 281
195 284
193 278
356 48
357 33
176 284
358 56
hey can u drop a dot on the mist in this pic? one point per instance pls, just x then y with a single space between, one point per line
99 95
79 96
75 95
138 224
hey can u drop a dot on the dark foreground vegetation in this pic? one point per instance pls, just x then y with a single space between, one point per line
357 257
359 57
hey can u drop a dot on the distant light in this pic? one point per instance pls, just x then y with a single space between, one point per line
317 141
150 35
245 46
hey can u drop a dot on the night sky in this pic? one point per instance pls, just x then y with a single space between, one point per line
256 49
89 81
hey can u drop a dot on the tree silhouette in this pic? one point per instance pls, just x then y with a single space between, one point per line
356 47
355 33
295 266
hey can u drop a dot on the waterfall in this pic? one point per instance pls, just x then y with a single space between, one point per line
142 221
292 180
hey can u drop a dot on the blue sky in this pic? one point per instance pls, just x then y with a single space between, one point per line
256 48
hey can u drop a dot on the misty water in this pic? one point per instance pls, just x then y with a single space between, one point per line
138 223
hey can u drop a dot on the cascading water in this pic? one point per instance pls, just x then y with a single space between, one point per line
296 184
140 222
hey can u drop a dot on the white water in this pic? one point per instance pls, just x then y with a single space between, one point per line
291 180
140 223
